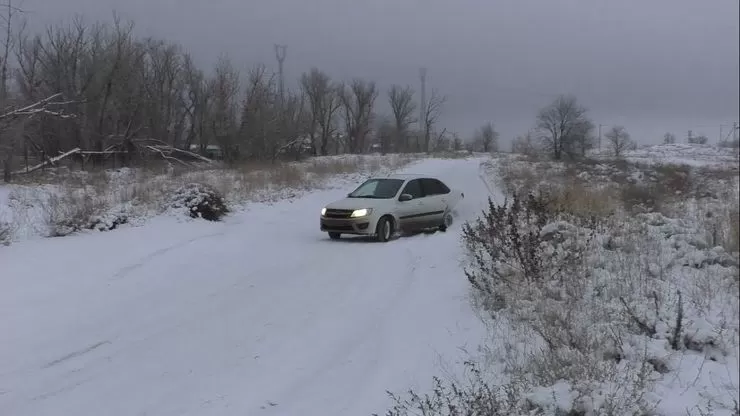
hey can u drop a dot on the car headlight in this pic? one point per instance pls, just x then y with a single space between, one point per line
361 212
323 211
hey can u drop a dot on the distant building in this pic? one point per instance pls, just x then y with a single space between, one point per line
212 151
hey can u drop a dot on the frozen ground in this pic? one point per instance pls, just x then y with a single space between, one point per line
259 315
673 269
696 155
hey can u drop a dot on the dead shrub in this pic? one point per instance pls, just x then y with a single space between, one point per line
200 201
673 180
73 211
582 201
732 242
517 178
475 397
637 198
6 233
519 243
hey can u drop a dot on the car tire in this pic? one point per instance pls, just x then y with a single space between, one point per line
447 222
335 236
384 229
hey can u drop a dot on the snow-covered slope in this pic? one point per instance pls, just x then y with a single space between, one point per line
684 154
259 315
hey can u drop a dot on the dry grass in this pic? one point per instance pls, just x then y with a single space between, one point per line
59 202
646 280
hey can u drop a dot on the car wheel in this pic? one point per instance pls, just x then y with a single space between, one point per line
384 229
447 222
335 236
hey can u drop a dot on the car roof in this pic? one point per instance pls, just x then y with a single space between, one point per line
404 176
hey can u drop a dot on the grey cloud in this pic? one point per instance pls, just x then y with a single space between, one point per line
654 65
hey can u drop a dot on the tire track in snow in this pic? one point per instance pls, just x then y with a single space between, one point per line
366 335
75 354
125 271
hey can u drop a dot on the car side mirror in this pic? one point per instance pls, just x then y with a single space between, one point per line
405 197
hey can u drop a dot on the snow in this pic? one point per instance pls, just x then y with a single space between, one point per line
646 259
263 314
258 314
695 155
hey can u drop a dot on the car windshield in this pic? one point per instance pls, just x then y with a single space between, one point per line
377 188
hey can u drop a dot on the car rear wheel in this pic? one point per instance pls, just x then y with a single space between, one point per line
447 222
384 229
334 236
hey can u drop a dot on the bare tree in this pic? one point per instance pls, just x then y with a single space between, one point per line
259 114
13 122
669 138
582 138
457 142
559 124
317 87
403 107
358 101
524 144
328 116
8 43
432 111
225 90
619 140
487 138
385 132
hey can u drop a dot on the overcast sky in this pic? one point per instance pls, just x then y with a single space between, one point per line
651 65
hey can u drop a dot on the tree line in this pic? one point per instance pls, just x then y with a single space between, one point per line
100 87
111 87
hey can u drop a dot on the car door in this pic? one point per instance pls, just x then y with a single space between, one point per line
435 201
410 213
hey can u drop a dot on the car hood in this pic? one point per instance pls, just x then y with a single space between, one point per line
351 203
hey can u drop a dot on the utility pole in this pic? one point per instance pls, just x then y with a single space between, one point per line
280 51
422 104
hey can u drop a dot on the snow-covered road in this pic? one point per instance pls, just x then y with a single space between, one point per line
259 315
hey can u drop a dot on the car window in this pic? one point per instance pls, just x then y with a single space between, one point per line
377 188
413 188
434 187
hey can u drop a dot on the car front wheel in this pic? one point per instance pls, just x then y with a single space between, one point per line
334 236
384 229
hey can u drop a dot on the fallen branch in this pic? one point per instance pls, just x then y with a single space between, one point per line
166 157
40 107
49 161
194 155
161 146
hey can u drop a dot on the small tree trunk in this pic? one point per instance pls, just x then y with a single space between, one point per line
6 170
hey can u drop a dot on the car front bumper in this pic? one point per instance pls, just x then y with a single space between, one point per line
360 226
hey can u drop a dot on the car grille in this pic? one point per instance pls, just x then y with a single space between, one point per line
338 213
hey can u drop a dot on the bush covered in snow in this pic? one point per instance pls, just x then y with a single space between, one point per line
200 201
597 306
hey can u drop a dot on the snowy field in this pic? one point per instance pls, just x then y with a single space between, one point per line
260 314
695 155
645 312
